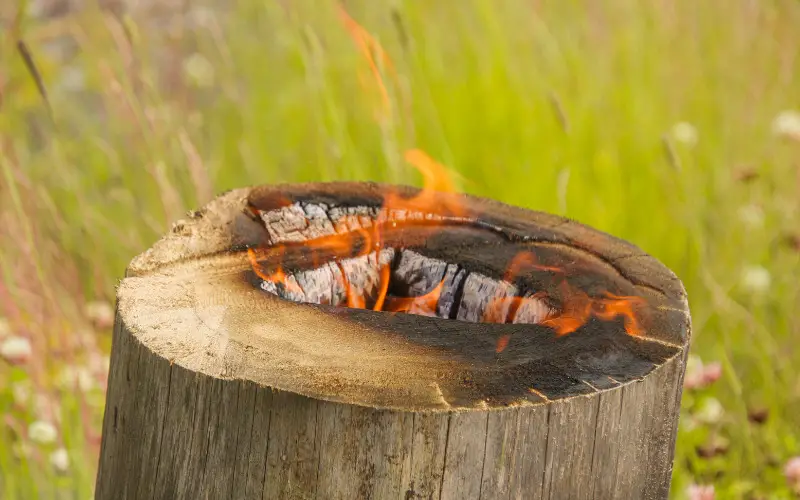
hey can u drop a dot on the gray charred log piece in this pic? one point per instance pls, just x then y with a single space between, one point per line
226 383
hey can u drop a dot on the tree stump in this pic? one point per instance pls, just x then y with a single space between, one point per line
513 354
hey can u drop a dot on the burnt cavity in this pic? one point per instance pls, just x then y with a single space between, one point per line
404 280
424 264
432 265
527 310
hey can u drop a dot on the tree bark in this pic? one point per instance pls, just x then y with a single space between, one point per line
219 389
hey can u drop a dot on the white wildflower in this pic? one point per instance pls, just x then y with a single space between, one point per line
752 216
21 392
685 133
202 16
787 124
100 313
16 349
199 70
72 377
73 79
688 423
42 405
99 363
5 328
59 459
710 412
42 432
37 9
756 279
693 376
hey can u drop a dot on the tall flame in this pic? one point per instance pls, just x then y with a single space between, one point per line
370 48
438 200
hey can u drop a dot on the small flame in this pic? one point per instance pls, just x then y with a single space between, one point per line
613 306
277 276
578 308
502 343
370 48
423 304
353 299
383 288
526 261
361 242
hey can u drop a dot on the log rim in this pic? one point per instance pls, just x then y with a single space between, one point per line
220 243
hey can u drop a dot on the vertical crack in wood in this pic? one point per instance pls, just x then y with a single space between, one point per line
269 430
621 408
118 359
546 450
411 458
318 449
194 421
485 445
594 441
676 400
163 424
444 461
136 381
238 432
249 441
209 402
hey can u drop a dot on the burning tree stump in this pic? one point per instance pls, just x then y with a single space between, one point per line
344 341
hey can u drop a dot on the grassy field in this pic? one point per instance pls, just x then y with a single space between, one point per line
667 123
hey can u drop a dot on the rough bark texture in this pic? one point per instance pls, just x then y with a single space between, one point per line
220 390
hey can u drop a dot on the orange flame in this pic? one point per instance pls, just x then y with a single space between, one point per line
526 261
422 304
502 343
353 300
578 308
369 46
383 288
361 242
613 306
278 276
438 198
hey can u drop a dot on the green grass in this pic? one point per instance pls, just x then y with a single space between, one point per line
559 106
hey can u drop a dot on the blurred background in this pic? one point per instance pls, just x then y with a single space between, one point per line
674 124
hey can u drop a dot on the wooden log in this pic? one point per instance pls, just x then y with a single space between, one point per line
220 387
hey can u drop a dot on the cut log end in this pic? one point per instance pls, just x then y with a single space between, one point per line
491 310
305 341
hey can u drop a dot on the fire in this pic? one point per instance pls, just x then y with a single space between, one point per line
278 276
502 343
575 307
424 304
438 202
370 48
526 261
353 299
578 308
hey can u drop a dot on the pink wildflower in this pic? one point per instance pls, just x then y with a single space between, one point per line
700 492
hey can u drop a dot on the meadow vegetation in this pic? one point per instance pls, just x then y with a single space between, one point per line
672 124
